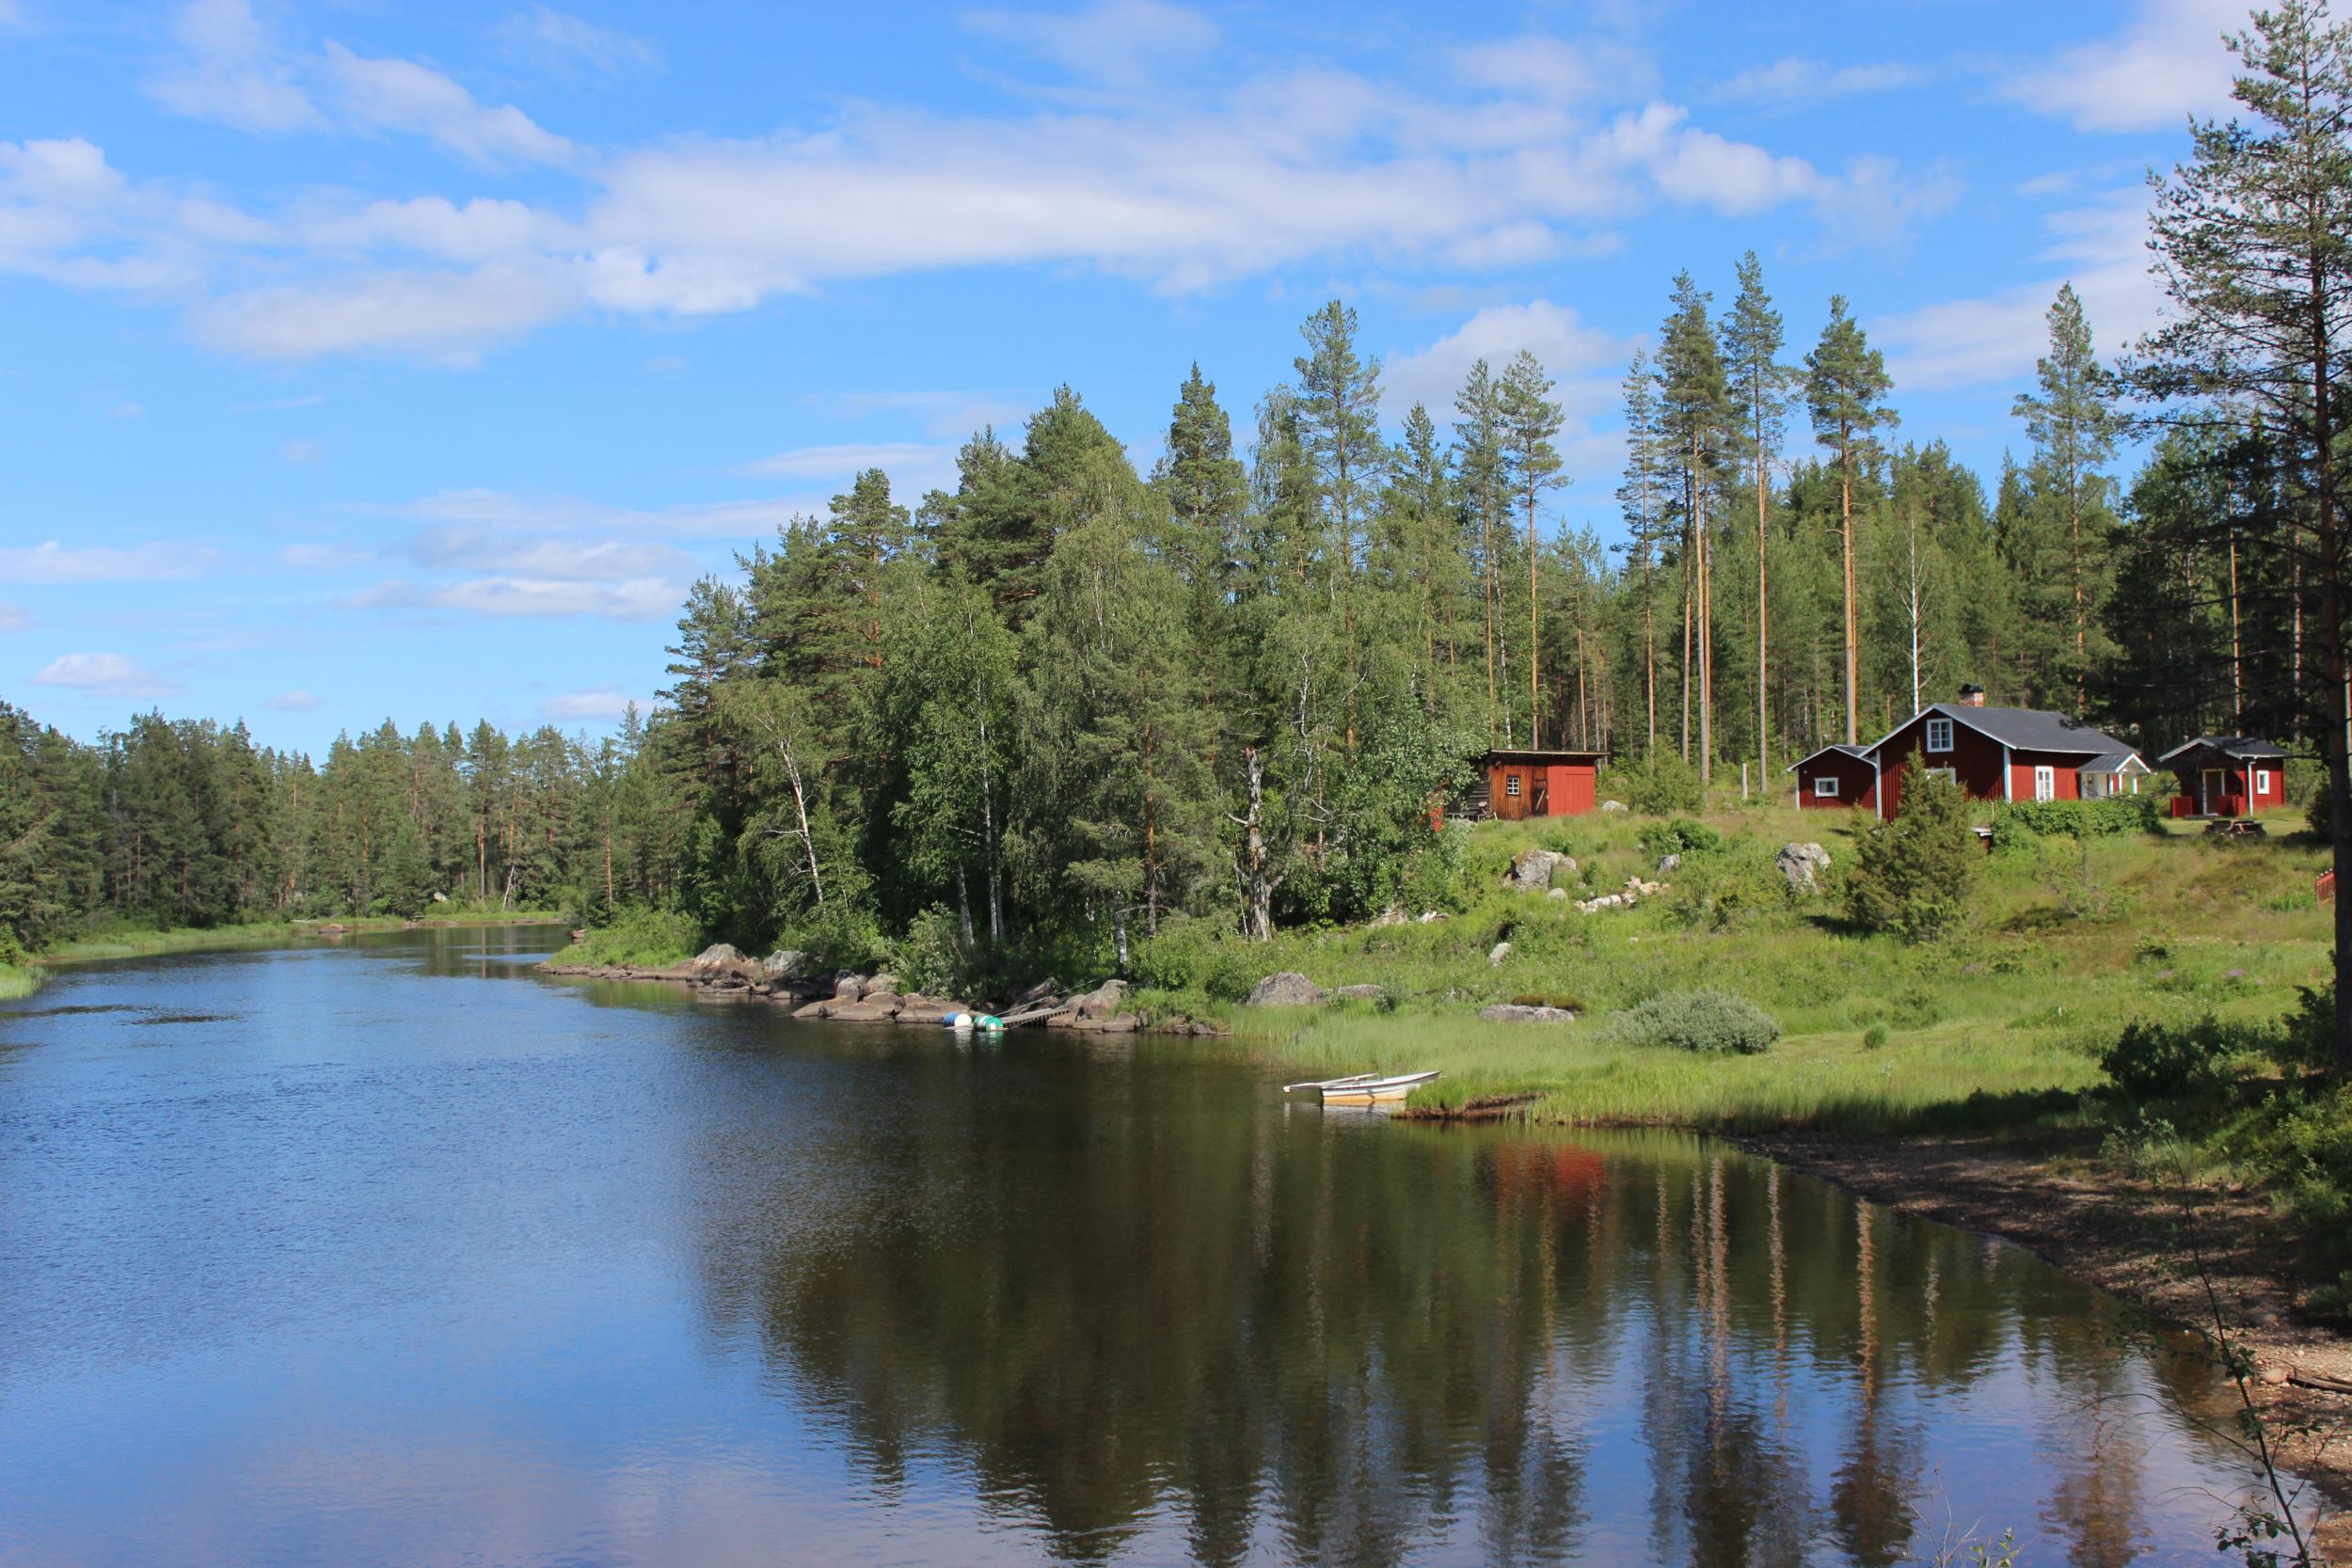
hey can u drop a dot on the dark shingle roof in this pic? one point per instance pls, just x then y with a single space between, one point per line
2031 730
2228 745
2113 762
1862 753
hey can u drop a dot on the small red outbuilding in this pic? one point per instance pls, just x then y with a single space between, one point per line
1992 754
1516 785
2227 775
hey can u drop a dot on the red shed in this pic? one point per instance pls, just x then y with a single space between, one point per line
1516 785
2227 775
1836 778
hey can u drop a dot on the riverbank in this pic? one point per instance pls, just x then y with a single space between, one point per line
23 979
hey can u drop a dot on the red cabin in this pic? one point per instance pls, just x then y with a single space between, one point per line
1517 784
1992 753
2227 775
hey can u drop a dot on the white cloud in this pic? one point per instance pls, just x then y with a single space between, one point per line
504 509
297 701
104 676
2168 62
1561 70
956 414
402 95
1553 333
510 597
299 453
230 74
560 38
325 558
1793 79
481 549
13 618
911 464
439 317
1995 339
52 562
606 703
1119 42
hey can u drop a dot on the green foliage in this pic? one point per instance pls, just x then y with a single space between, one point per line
638 938
1682 836
2021 821
1196 956
935 956
2163 1059
1734 885
1875 1038
1912 876
1663 785
1700 1021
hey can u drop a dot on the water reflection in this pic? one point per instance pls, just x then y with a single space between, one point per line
396 1253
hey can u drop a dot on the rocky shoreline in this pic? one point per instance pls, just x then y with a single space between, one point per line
786 979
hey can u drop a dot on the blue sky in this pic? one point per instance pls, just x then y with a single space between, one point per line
362 359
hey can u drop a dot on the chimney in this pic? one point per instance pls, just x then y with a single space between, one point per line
1972 696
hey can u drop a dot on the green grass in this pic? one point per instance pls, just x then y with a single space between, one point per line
17 981
1997 1025
640 939
133 943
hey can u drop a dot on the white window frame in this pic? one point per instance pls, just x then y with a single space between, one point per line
1511 786
1826 788
2262 781
2044 782
1934 731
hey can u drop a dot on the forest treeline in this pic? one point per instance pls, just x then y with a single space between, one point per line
1038 715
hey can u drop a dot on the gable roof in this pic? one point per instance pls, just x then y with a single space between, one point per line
2228 745
2023 729
1861 754
2114 762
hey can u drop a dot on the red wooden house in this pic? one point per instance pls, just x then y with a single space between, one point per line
1516 785
2227 775
1992 753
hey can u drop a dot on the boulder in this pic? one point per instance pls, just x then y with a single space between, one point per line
1430 917
864 1012
814 1009
1612 805
1668 863
1512 1012
1501 951
876 997
1394 915
849 988
929 1009
885 981
1532 870
718 958
785 963
1287 989
1802 863
1356 993
1117 1023
1102 1002
1557 892
1044 991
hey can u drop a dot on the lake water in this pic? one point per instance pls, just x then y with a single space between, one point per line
399 1253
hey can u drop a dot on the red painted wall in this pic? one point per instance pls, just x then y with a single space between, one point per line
1857 784
2065 778
1570 788
1975 760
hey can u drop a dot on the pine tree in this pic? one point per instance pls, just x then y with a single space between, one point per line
1638 497
1846 386
1759 386
1694 414
1532 465
1478 439
2073 424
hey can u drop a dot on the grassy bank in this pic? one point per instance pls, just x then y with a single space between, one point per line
1997 1025
132 942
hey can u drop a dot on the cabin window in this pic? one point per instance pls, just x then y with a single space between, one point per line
1939 734
1947 774
2044 782
2261 782
1511 786
1826 788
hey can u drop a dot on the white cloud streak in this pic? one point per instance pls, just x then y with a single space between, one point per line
53 561
231 74
2169 62
104 676
402 95
1797 80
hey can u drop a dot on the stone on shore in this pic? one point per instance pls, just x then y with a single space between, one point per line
1532 870
719 957
1286 988
1802 863
1513 1012
814 1009
1501 951
785 963
864 1012
849 988
1612 805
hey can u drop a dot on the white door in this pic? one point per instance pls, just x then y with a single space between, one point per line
2044 782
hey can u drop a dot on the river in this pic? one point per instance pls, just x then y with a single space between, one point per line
395 1252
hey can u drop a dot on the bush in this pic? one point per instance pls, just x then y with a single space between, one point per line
1708 1020
2308 1041
1682 836
934 956
1194 955
2156 1059
1912 876
1663 785
639 937
2018 821
1721 891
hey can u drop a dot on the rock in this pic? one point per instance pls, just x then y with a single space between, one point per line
928 1010
1392 915
1066 1019
1119 1024
1512 1012
876 997
1501 951
1430 917
1102 1002
849 988
1044 991
785 963
440 898
881 982
1533 869
1612 805
1800 864
814 1009
718 958
2275 1375
864 1012
1287 989
1557 892
1668 863
1356 993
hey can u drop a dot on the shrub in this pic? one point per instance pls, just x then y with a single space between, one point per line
1724 890
1682 836
2016 821
1191 955
1912 876
1708 1020
2158 1059
1874 1037
1660 785
639 937
2307 1040
935 956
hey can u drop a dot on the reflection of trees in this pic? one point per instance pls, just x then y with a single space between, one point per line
1145 1291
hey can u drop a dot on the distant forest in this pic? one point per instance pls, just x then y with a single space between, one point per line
1055 708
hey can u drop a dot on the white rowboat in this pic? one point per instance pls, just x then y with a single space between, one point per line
1364 1088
